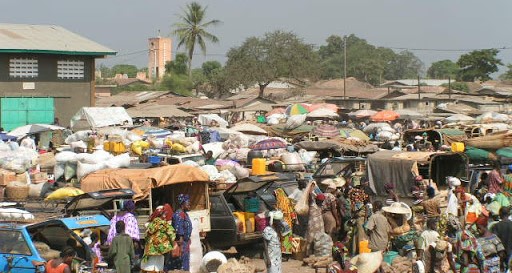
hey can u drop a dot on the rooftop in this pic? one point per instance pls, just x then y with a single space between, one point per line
47 39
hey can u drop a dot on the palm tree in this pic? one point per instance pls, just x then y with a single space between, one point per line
192 30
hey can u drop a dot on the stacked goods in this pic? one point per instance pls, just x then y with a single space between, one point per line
315 261
493 141
244 266
15 214
17 191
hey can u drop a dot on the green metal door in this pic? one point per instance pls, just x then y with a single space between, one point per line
16 112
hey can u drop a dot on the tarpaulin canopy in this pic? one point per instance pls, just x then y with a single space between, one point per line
207 119
141 181
33 129
249 129
385 115
322 113
363 113
97 117
280 130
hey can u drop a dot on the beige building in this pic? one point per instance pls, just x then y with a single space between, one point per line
159 55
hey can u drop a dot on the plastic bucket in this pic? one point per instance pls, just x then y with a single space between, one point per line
259 166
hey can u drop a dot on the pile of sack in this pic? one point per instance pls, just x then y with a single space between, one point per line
70 164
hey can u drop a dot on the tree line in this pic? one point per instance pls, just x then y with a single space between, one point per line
284 55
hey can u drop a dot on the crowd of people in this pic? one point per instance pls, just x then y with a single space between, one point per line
454 230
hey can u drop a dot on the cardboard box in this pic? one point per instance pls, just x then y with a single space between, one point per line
6 177
39 177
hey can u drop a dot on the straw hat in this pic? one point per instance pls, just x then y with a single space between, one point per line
339 182
396 208
367 262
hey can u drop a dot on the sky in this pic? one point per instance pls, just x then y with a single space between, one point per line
443 28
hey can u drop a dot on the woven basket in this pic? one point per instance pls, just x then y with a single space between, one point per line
17 193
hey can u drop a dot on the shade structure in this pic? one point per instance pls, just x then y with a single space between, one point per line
322 113
346 133
385 115
364 113
249 129
279 110
328 106
33 129
152 132
326 130
488 117
409 114
459 118
296 109
268 144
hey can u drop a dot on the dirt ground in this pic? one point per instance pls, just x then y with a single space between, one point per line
290 266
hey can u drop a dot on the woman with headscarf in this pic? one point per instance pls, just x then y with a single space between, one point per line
315 220
271 235
492 248
160 236
284 205
128 217
467 249
183 227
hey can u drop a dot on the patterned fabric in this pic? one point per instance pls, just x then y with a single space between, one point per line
183 227
159 237
495 181
183 198
508 183
315 222
97 251
491 246
131 226
329 203
467 243
273 250
165 212
286 207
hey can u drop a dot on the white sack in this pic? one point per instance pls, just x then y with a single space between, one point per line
65 156
120 161
84 169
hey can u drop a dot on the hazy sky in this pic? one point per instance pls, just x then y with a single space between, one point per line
125 25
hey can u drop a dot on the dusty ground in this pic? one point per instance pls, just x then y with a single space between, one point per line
291 266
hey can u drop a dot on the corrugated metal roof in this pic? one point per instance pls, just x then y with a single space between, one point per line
49 39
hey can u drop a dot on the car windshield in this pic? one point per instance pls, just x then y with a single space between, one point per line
13 242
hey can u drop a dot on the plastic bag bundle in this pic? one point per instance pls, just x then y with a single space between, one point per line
4 147
302 207
322 245
84 169
58 170
70 170
80 135
78 144
66 156
15 214
228 176
292 162
212 171
193 148
131 136
295 121
120 161
215 147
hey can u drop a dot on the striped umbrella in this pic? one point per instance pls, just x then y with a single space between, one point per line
296 109
326 130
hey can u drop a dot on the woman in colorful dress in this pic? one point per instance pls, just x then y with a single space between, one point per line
284 205
183 227
468 251
272 244
492 248
160 236
127 215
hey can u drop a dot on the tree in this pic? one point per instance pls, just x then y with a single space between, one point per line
460 86
178 83
130 70
276 55
210 68
478 64
192 30
443 69
178 65
404 65
507 76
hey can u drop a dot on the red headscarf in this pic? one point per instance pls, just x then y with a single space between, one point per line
165 212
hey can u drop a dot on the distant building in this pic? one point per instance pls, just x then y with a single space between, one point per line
159 54
46 73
